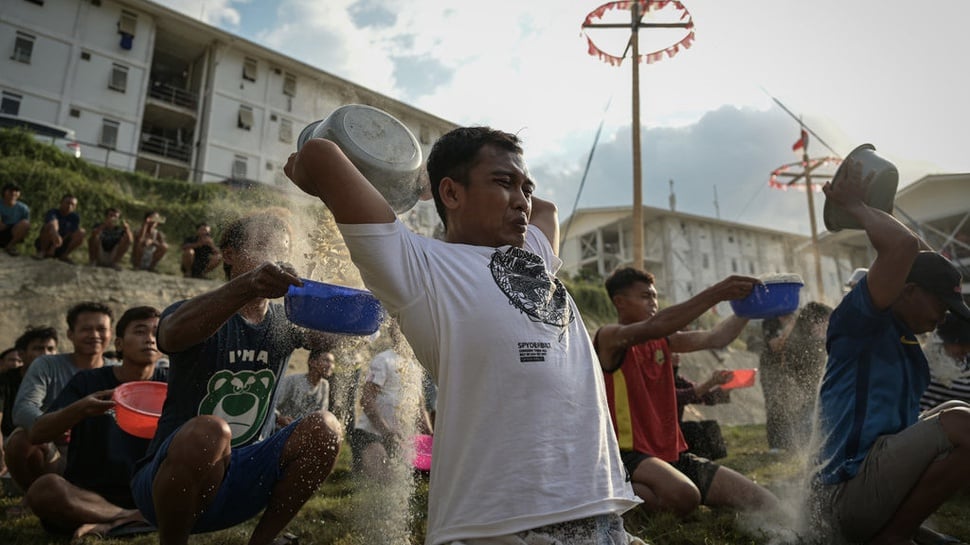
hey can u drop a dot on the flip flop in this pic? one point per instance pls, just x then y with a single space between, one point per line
925 536
130 528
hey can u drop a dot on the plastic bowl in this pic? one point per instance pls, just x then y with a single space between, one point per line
768 300
422 452
138 406
742 378
332 308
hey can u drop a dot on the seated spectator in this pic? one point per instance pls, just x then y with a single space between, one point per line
149 246
389 414
635 355
109 240
14 219
89 329
200 255
948 354
303 393
61 233
36 341
10 359
93 496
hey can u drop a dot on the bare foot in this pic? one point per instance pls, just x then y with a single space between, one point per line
101 529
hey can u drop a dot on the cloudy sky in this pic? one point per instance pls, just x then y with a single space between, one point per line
888 72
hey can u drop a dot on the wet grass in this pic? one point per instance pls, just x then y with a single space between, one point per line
344 512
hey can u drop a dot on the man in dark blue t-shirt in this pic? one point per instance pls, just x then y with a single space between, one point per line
215 461
61 233
882 468
93 496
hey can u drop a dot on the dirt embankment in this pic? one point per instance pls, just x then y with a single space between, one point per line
41 292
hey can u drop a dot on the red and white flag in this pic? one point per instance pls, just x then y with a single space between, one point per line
801 144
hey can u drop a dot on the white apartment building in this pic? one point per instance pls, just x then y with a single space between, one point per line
687 253
146 88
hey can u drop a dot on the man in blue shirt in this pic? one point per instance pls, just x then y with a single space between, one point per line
882 469
14 219
61 232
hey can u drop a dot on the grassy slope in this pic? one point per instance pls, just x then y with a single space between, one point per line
344 513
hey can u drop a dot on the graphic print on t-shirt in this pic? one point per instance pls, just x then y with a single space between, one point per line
522 277
241 399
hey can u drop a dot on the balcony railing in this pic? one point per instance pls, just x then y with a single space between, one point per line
172 95
165 147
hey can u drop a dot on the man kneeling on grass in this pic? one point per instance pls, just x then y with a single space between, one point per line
93 496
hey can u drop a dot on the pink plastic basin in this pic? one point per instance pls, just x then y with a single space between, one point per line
422 452
138 406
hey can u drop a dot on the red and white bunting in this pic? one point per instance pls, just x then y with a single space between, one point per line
645 6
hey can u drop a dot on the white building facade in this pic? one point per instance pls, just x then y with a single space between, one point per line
146 88
688 253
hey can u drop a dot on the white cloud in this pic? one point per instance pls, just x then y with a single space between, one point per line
219 13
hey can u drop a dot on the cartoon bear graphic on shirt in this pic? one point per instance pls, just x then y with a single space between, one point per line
242 399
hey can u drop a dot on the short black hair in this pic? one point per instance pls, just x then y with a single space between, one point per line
11 186
33 333
258 225
625 277
453 155
87 306
134 314
7 351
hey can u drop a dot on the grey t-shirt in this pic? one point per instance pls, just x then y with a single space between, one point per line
45 379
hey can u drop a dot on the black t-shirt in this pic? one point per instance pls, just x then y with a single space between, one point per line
101 457
9 384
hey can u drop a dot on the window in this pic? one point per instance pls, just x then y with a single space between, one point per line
289 85
286 130
425 134
245 120
109 134
10 103
250 67
127 23
239 167
704 261
85 56
734 265
23 48
75 112
119 78
38 2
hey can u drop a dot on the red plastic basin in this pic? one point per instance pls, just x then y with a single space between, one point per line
138 405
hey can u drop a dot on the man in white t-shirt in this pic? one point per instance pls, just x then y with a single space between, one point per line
524 450
391 408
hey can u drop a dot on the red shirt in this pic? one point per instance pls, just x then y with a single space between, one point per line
643 402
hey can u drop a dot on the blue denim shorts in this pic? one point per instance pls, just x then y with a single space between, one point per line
245 490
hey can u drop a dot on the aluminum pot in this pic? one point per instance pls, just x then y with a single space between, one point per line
382 148
881 192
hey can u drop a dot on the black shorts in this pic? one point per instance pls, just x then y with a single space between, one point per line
699 470
6 235
359 439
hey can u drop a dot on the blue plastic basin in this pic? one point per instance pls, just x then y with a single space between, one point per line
768 301
332 308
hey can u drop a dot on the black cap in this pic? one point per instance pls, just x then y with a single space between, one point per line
935 274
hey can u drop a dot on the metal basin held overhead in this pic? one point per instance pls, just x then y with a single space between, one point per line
382 148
